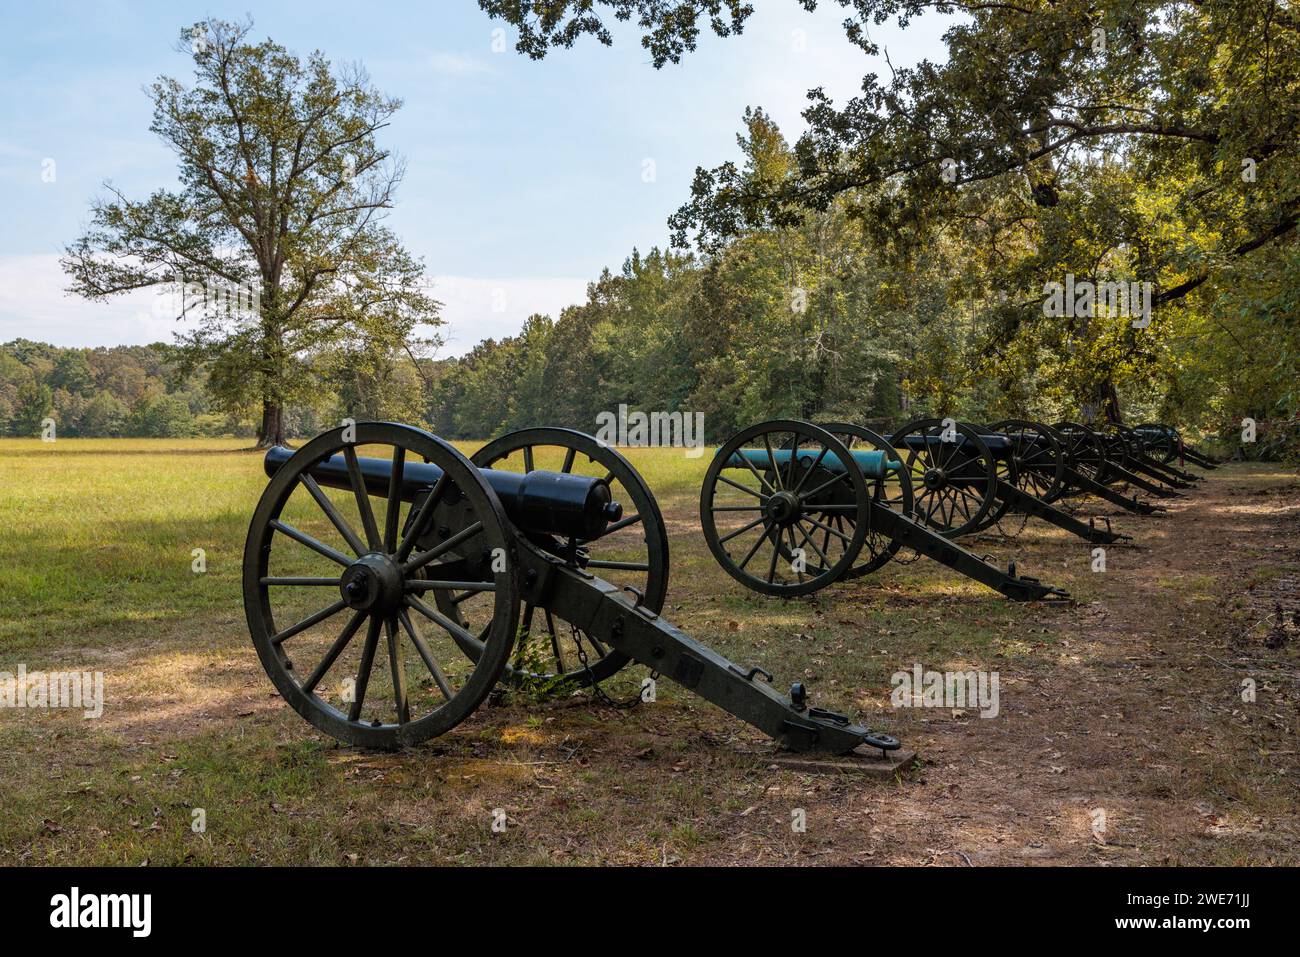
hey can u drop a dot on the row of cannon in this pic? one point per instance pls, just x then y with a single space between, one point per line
387 614
788 507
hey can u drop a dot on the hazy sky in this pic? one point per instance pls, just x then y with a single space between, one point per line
524 178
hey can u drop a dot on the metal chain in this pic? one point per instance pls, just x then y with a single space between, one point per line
1024 520
600 693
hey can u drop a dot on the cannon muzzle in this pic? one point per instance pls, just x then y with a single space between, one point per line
549 503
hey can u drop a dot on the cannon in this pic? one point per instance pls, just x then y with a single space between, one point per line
458 573
1128 455
788 507
1125 460
969 477
1065 463
1164 443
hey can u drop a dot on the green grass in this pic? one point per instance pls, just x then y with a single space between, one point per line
100 536
95 573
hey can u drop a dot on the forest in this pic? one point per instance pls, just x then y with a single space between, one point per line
899 258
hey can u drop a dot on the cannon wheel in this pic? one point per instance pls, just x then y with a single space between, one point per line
639 562
1040 460
944 506
894 492
1120 449
1008 472
1084 449
380 576
1161 439
776 508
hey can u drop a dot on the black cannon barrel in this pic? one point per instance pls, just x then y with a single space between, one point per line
998 444
551 503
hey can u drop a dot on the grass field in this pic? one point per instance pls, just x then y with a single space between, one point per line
1127 699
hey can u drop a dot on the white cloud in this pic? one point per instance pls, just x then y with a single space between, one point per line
33 305
476 308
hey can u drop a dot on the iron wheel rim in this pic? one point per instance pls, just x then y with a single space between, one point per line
772 487
647 514
270 640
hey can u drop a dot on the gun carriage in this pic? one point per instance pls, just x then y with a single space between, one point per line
788 507
386 615
783 511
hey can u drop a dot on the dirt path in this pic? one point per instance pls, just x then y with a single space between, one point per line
1123 734
1128 740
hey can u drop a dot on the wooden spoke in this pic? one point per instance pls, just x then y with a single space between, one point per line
307 622
776 550
745 489
401 702
393 514
332 513
555 642
426 655
826 562
423 558
771 458
367 663
470 644
816 462
423 518
794 548
767 530
363 497
305 539
740 531
808 496
600 649
422 584
525 635
335 650
750 465
824 527
621 524
619 566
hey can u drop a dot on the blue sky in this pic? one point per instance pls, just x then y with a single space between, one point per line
524 178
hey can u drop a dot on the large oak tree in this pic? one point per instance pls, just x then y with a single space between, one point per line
275 238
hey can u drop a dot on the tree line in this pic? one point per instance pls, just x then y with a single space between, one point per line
907 255
119 391
152 391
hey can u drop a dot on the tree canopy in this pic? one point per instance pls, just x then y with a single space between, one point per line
275 239
1097 141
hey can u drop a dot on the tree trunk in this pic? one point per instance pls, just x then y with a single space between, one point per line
1110 409
271 431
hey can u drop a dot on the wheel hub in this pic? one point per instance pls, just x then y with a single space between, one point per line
372 583
934 479
784 507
